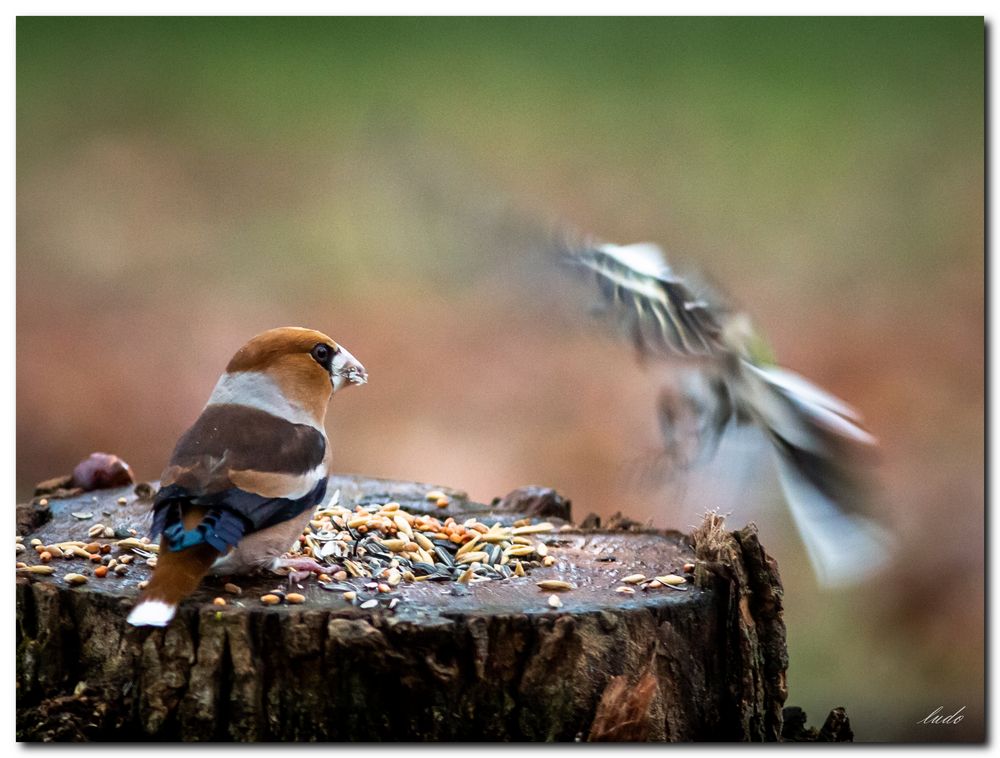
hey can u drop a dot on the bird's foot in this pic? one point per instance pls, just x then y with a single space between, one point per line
294 577
300 565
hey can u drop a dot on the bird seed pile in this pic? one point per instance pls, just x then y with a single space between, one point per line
387 545
366 553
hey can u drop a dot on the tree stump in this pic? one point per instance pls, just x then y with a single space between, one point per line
493 661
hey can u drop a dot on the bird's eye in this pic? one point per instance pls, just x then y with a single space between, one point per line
322 354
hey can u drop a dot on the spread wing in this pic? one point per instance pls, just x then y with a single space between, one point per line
657 309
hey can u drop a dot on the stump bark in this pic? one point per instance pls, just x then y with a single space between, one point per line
489 662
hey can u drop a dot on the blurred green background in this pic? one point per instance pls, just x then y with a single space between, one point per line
185 183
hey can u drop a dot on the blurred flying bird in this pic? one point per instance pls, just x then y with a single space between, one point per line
247 476
729 377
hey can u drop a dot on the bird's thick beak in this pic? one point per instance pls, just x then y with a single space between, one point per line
346 369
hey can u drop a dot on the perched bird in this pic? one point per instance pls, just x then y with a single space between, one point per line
246 477
730 377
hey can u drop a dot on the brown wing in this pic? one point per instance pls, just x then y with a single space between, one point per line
239 446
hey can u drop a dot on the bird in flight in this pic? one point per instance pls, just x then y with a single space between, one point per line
729 377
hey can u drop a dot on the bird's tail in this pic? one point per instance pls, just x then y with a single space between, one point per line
176 576
820 447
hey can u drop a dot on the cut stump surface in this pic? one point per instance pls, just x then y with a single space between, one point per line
491 660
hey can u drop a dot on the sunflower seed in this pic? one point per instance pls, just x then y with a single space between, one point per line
337 586
634 578
373 603
554 601
82 515
353 568
332 549
444 555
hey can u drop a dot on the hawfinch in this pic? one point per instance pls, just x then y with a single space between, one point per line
246 477
731 377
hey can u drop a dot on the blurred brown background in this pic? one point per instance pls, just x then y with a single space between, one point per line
185 183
